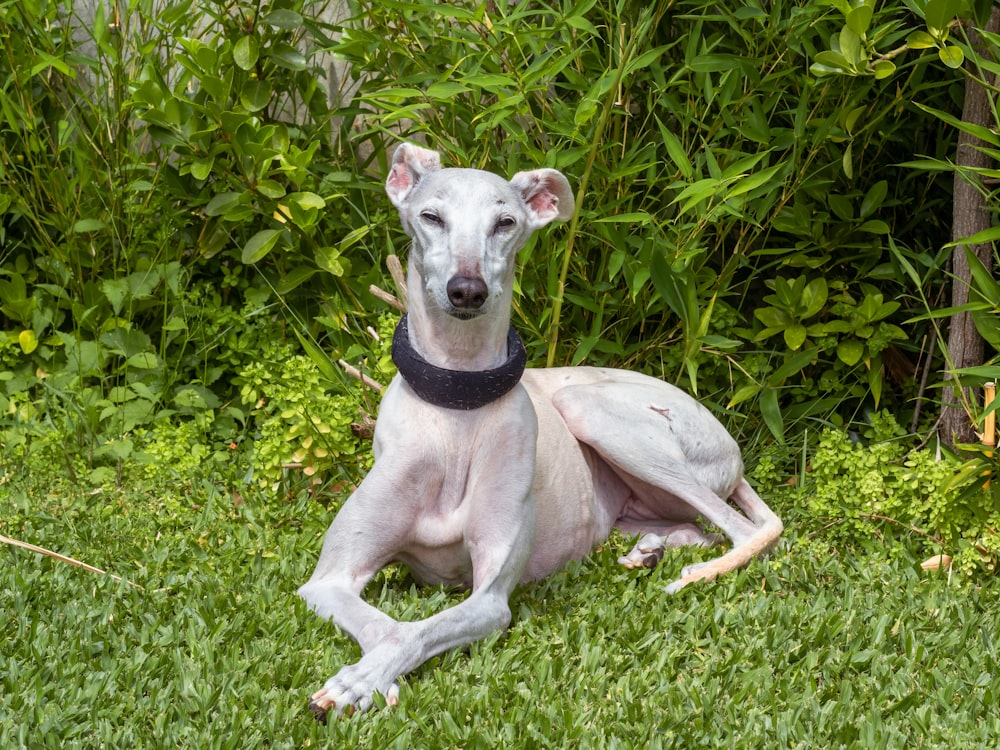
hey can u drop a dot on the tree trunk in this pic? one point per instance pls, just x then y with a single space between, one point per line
969 215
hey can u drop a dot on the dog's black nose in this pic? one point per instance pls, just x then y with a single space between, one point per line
467 292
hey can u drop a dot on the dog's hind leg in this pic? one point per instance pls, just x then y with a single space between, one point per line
679 462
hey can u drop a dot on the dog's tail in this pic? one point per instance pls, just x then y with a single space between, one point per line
769 528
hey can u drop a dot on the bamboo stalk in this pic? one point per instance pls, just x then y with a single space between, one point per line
990 422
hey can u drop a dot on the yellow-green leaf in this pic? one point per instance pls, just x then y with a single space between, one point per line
28 341
952 56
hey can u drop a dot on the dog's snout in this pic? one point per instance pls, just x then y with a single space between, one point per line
467 292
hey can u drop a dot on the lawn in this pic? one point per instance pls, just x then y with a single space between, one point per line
811 648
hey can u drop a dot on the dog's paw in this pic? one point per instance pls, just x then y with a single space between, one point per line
332 698
689 574
352 688
647 553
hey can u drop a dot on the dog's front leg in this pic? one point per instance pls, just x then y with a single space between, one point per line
500 547
497 537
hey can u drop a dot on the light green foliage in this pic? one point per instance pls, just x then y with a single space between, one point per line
176 448
299 424
880 485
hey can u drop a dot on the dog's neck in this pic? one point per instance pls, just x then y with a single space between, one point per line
453 344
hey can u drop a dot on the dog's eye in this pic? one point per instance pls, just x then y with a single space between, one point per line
432 218
505 222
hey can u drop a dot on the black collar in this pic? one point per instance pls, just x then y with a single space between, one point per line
457 389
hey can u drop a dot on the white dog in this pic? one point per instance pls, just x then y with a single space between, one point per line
487 474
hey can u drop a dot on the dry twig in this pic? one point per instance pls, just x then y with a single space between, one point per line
64 558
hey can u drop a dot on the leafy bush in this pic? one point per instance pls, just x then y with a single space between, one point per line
876 486
710 165
139 157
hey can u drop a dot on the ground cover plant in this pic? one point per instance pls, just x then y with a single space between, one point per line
813 648
191 217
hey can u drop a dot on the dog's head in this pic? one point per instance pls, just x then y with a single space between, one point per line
467 225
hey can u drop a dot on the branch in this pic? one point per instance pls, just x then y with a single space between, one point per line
64 558
355 373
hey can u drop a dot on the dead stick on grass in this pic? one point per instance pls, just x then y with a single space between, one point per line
63 558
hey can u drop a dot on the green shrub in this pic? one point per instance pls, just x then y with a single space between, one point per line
711 166
879 487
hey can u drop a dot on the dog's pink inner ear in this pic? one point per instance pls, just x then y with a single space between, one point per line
545 204
409 165
400 179
545 193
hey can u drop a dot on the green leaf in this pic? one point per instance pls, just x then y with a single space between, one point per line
246 52
306 200
294 278
283 18
795 336
676 291
143 361
874 226
939 14
328 259
27 341
644 60
985 281
859 19
304 208
115 290
743 393
320 358
196 397
814 297
202 168
792 365
445 90
288 57
883 69
873 199
952 56
271 189
675 150
582 24
920 40
636 217
979 131
771 413
772 317
255 95
221 203
851 48
260 245
850 351
88 225
984 237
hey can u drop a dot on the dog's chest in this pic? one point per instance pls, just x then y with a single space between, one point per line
436 550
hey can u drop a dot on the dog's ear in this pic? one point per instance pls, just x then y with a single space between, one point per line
409 165
546 194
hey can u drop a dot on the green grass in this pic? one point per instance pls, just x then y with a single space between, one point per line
808 649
